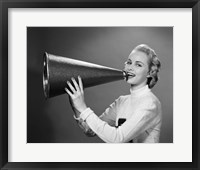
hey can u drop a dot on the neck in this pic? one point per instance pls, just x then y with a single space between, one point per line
136 87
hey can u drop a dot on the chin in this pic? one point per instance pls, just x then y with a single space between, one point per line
130 82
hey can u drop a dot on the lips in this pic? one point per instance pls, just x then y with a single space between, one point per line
130 74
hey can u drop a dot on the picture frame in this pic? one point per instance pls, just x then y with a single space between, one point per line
5 5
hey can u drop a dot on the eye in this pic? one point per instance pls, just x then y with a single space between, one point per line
128 62
139 65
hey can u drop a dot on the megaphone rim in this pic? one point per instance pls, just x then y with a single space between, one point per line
46 84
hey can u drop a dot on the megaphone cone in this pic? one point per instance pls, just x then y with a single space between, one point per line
58 70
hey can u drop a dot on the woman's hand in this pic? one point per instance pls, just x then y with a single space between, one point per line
77 94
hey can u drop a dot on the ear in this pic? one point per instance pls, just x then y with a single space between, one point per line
148 76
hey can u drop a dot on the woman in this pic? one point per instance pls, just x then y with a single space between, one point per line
132 118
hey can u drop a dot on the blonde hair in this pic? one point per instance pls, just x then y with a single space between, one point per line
154 64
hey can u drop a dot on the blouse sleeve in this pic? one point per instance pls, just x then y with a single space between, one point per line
108 116
110 113
141 120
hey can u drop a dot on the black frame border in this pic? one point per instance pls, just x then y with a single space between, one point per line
6 4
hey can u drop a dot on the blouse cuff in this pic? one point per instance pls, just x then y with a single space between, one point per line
87 112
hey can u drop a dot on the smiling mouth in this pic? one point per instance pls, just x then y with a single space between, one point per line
130 74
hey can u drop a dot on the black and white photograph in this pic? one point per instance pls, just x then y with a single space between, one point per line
100 85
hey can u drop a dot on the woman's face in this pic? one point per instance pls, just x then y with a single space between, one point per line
138 66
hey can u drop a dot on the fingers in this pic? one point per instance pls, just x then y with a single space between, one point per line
78 87
71 95
80 83
71 87
75 84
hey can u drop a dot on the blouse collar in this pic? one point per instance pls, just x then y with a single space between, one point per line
140 91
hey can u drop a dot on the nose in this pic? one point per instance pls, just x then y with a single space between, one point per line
128 67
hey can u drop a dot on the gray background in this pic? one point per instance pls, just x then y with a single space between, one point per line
51 121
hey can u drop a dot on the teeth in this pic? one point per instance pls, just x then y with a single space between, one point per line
131 74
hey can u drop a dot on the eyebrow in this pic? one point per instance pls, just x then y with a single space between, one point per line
136 61
140 62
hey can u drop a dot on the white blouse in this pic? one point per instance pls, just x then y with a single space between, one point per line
141 111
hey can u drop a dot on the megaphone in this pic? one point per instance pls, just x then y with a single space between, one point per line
58 70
